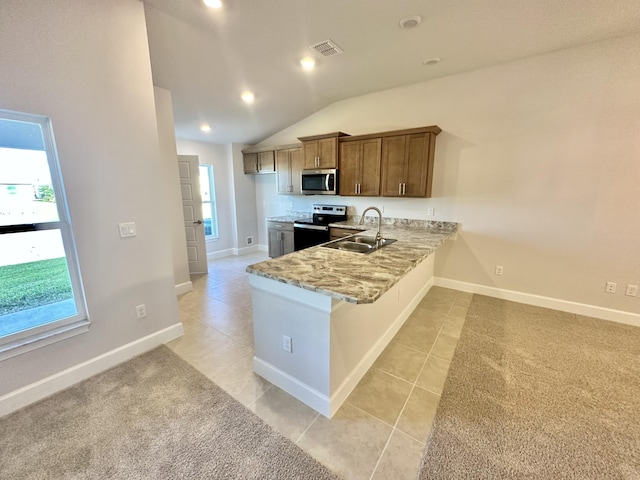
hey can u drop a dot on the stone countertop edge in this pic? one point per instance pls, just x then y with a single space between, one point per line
355 277
286 218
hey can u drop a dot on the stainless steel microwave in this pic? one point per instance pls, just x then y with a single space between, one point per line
320 182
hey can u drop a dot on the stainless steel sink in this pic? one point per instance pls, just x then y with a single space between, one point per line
359 244
359 247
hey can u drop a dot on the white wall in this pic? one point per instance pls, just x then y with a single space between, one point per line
537 161
244 192
219 156
85 63
169 185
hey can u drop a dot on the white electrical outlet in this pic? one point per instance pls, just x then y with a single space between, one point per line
431 212
141 311
611 287
249 240
286 343
499 270
632 290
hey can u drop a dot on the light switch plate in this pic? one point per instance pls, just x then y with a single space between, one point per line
127 229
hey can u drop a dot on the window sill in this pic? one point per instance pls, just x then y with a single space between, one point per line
41 339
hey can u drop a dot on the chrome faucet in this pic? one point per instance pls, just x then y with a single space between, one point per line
379 234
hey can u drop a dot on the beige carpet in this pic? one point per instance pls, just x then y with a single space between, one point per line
154 417
538 394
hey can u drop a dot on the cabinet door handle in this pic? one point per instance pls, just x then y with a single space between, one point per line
399 189
404 188
359 189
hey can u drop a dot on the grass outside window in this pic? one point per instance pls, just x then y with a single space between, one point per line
34 284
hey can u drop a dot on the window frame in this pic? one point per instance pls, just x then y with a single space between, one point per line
213 206
54 331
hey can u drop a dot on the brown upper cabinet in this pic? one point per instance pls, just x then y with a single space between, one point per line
288 168
359 170
407 162
256 162
321 151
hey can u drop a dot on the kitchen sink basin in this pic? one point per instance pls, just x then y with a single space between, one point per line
359 247
358 244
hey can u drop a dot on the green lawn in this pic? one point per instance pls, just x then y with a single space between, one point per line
33 284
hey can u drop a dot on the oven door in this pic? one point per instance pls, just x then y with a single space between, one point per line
305 236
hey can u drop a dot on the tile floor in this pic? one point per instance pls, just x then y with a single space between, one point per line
380 431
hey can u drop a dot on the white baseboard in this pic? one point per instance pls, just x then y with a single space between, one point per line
263 248
540 301
245 250
48 386
220 254
235 251
184 288
303 392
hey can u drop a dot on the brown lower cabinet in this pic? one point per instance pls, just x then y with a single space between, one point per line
337 232
289 164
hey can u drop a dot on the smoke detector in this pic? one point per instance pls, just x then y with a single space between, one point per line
326 47
410 22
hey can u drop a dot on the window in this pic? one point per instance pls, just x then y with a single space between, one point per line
208 191
41 298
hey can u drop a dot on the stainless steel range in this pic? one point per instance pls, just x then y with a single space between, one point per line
313 231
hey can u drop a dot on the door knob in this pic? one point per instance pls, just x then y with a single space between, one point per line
198 222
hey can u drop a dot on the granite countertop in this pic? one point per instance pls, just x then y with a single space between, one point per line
288 218
355 277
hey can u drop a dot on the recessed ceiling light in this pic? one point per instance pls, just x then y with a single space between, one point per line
213 3
308 63
247 97
431 61
205 128
410 22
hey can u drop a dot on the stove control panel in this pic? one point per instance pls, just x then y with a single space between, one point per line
330 209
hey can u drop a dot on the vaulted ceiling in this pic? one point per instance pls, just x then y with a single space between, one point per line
207 57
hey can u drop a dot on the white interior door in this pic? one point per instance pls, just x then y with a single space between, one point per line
188 166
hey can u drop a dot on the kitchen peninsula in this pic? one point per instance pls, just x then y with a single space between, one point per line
322 316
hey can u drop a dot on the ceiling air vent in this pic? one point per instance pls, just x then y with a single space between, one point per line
326 47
